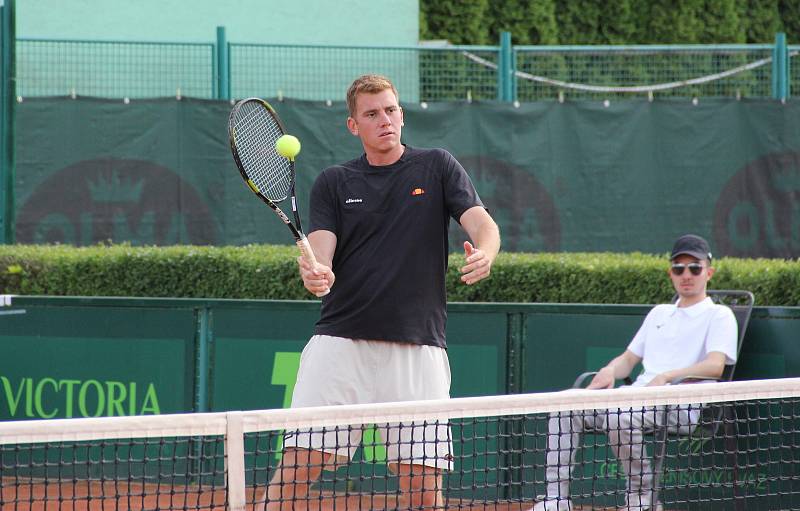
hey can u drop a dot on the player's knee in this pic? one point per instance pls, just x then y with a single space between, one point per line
299 465
622 421
288 475
419 486
420 499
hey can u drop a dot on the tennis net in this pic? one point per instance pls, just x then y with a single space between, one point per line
740 451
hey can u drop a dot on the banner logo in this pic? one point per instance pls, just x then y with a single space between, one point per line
115 199
47 398
758 211
518 202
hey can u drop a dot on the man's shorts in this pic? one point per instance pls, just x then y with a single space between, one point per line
337 371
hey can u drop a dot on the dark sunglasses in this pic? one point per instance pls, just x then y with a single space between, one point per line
694 268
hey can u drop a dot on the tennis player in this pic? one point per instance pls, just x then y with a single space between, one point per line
694 337
379 229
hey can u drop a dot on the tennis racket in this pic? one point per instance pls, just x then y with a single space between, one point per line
253 129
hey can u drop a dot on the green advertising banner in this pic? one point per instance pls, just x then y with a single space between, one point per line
77 361
86 357
573 176
90 357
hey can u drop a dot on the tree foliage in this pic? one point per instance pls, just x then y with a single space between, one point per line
764 20
719 22
460 22
601 22
595 22
790 16
529 21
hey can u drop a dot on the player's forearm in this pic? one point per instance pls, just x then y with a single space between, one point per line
487 238
482 230
323 243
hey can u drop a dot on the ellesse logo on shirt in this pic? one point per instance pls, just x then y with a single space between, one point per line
352 201
417 191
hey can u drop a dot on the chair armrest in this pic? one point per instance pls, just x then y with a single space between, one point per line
581 380
689 379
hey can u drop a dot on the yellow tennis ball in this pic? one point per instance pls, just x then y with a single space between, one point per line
287 146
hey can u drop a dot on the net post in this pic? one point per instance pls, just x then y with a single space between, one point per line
234 461
223 69
7 110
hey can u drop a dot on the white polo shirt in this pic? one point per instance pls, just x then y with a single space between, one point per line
673 337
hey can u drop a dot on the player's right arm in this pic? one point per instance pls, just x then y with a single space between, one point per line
320 278
620 367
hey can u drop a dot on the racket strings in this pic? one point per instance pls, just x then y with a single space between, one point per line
256 132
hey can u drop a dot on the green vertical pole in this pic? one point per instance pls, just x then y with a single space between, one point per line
223 70
513 426
780 68
202 383
504 74
788 72
215 71
8 105
512 73
515 335
203 340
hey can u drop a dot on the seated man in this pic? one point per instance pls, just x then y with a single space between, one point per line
694 337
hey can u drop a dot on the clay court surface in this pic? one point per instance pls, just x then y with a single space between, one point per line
121 496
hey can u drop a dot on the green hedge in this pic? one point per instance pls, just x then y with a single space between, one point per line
264 271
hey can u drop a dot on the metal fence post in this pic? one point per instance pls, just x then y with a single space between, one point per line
780 68
504 66
516 326
7 107
512 72
223 70
787 69
203 339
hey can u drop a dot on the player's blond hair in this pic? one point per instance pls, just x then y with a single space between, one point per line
368 84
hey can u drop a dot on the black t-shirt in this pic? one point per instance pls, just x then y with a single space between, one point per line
391 252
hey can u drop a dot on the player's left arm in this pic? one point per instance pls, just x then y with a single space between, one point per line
485 235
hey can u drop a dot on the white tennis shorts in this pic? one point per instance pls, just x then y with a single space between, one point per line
337 370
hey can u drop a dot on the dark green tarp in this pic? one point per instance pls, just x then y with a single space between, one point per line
573 176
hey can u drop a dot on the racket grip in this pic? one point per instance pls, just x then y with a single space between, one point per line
308 255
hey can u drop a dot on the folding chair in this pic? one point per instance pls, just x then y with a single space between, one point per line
711 418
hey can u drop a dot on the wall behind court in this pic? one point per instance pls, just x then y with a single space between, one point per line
355 22
578 176
84 356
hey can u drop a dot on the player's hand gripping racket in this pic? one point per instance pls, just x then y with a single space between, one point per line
254 129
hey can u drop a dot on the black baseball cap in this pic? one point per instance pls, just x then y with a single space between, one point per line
693 245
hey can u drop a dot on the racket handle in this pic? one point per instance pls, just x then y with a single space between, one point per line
308 255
